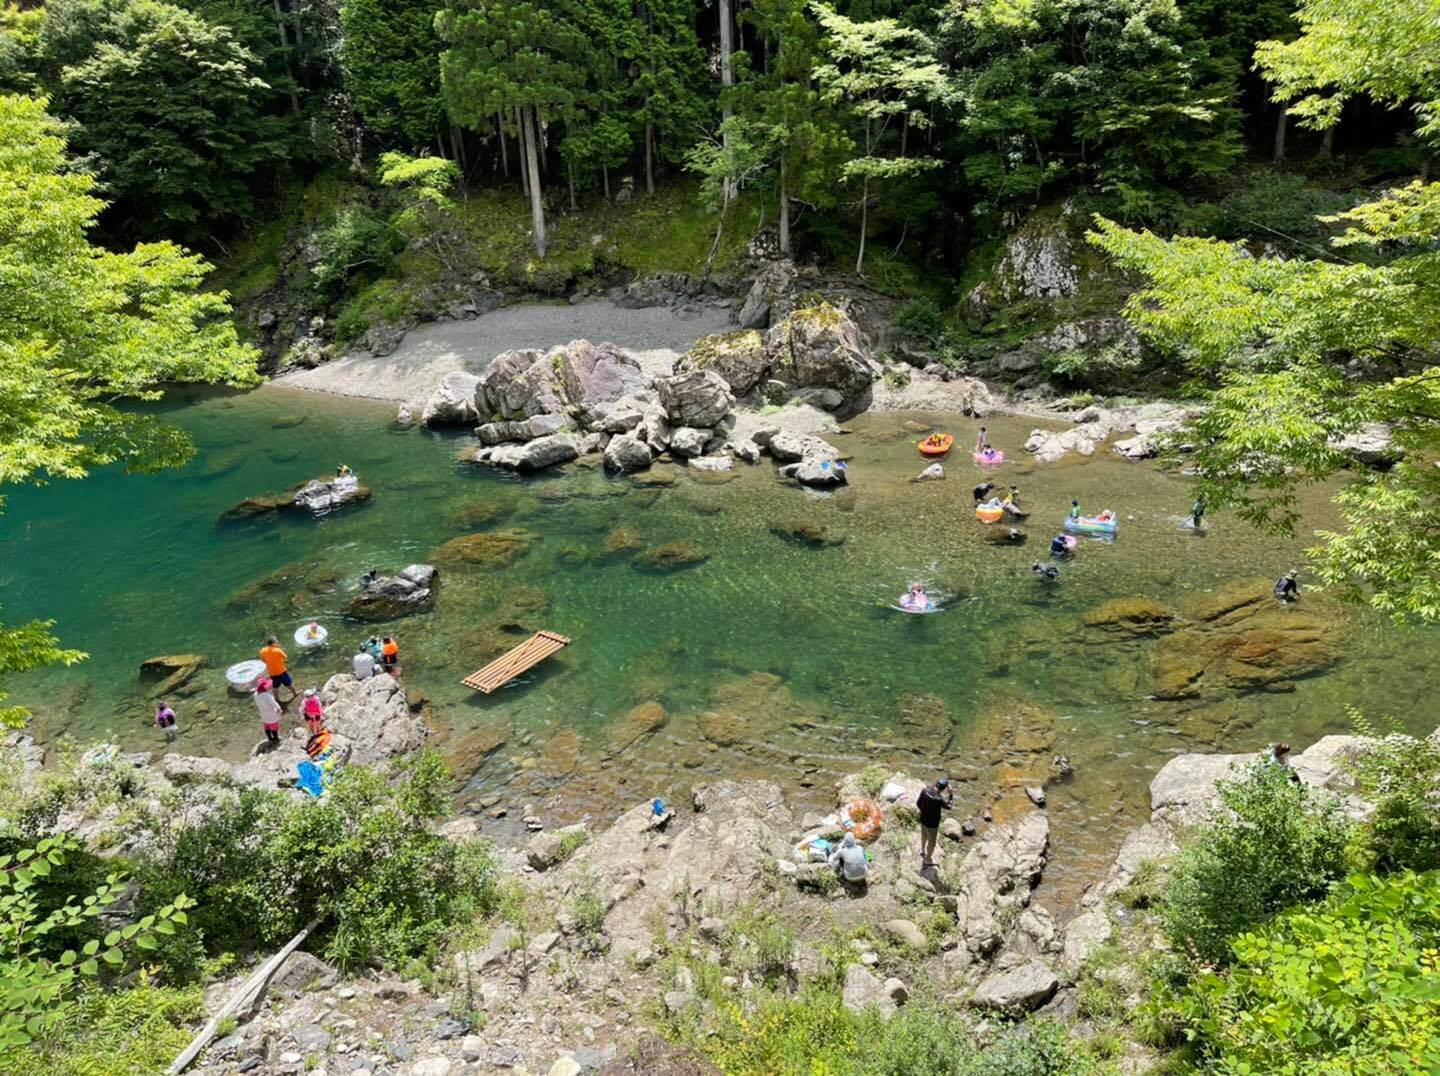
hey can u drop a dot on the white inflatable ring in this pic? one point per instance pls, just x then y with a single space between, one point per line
242 676
305 639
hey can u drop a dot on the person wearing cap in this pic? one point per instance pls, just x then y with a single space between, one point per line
269 708
849 861
1287 587
932 800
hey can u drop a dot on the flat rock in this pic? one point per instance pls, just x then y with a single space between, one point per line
864 991
1018 990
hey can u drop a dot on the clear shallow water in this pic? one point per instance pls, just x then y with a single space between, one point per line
135 566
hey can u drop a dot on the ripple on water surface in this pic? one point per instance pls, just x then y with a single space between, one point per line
740 628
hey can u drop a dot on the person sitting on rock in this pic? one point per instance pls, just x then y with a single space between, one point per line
849 861
370 577
363 663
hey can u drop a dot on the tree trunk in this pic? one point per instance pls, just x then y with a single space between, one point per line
457 142
650 158
523 149
504 154
570 178
605 178
532 166
285 53
714 249
727 79
1278 155
864 224
784 208
1327 144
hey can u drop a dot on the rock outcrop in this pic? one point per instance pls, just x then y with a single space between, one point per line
738 357
453 401
767 299
627 453
821 347
533 455
318 496
697 398
407 591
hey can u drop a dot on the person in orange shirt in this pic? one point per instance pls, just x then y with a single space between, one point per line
274 659
390 655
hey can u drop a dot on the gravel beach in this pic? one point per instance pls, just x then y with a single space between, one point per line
656 336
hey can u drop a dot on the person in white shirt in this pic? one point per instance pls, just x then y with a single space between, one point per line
364 664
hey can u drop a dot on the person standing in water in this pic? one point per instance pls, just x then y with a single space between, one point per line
1197 512
165 720
1012 500
932 800
1074 508
981 440
1048 572
269 708
982 491
1287 587
276 666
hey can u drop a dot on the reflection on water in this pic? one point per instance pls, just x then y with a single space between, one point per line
773 649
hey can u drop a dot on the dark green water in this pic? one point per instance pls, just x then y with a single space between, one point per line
135 566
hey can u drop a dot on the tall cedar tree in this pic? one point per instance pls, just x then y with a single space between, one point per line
390 55
513 58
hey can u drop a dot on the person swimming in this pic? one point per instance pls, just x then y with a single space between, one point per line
982 491
1059 547
915 598
1048 572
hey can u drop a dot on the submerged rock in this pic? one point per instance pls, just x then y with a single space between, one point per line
673 555
495 549
805 532
1130 616
319 495
174 671
621 541
638 723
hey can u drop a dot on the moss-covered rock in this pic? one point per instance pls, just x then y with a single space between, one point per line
738 357
495 549
673 555
1130 616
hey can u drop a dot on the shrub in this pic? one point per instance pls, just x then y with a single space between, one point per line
1401 776
872 780
357 239
1348 986
1273 843
362 859
107 1033
921 317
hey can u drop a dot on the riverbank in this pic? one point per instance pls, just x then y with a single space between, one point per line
645 925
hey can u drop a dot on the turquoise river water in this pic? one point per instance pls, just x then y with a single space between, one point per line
133 566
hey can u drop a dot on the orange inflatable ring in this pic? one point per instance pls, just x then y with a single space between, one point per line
867 817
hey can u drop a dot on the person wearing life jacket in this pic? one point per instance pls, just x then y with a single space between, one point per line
313 711
318 743
390 655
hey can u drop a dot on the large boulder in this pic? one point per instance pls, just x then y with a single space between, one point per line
1019 990
498 433
591 375
372 717
766 299
818 472
738 357
698 398
821 346
863 990
453 401
174 671
793 447
627 453
187 769
687 441
516 385
407 591
534 455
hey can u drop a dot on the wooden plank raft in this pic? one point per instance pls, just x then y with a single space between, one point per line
507 667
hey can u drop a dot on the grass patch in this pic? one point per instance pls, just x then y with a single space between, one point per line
113 1033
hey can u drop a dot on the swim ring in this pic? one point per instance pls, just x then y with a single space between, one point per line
994 459
242 675
311 634
989 512
908 604
1102 525
865 817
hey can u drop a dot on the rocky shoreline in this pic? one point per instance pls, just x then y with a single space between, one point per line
679 888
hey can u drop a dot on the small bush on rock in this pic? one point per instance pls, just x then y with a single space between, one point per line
1401 776
1272 844
362 859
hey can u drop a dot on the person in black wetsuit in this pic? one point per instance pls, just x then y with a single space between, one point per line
1197 512
932 800
1058 548
982 491
1048 572
1287 587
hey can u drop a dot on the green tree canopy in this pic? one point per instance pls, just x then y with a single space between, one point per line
173 111
83 329
391 59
